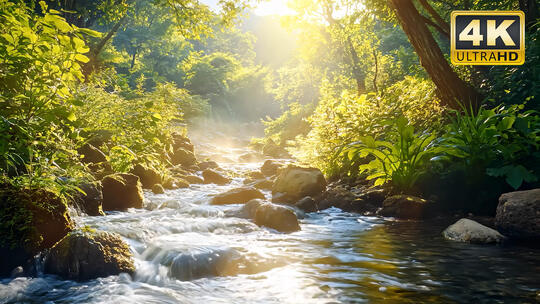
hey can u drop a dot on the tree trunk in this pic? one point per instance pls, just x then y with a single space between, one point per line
133 57
357 72
440 21
96 50
450 88
376 71
101 44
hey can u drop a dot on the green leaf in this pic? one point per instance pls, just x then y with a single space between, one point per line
90 32
82 58
71 117
515 175
507 122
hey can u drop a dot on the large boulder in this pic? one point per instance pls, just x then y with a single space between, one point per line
212 177
270 167
122 191
518 214
91 154
237 196
406 207
294 183
148 177
92 200
469 231
183 157
88 255
374 197
31 220
271 215
276 217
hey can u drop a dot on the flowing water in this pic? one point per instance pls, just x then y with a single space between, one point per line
187 251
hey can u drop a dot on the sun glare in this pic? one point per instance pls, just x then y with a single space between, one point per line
273 7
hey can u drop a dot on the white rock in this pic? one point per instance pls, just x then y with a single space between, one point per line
469 231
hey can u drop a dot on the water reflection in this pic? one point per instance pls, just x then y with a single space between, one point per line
187 251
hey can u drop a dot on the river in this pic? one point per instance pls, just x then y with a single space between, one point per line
187 251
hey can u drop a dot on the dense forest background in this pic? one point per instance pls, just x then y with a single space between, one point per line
359 89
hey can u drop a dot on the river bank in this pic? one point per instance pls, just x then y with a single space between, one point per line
186 249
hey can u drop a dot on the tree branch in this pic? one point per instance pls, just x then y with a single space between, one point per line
436 26
440 21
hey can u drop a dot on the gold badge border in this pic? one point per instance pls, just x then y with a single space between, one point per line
521 51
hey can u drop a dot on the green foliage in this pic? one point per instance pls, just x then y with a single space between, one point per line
40 58
141 126
297 84
401 160
514 175
233 90
509 85
290 124
497 142
208 75
344 117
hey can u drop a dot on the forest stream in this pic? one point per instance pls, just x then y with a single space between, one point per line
337 256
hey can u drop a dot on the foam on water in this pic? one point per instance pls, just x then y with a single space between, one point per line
187 251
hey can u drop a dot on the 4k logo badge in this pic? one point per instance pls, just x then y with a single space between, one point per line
487 37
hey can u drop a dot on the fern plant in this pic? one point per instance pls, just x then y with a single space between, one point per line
401 160
499 142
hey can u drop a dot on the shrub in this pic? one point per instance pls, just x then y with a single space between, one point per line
41 60
400 160
346 117
141 126
497 142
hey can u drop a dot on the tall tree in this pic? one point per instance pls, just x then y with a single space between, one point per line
193 18
452 90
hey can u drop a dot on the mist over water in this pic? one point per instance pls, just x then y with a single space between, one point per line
188 251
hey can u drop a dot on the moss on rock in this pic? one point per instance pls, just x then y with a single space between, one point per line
30 220
85 255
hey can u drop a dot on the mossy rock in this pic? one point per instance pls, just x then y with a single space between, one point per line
294 183
181 141
122 191
86 255
31 220
148 177
91 201
183 157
